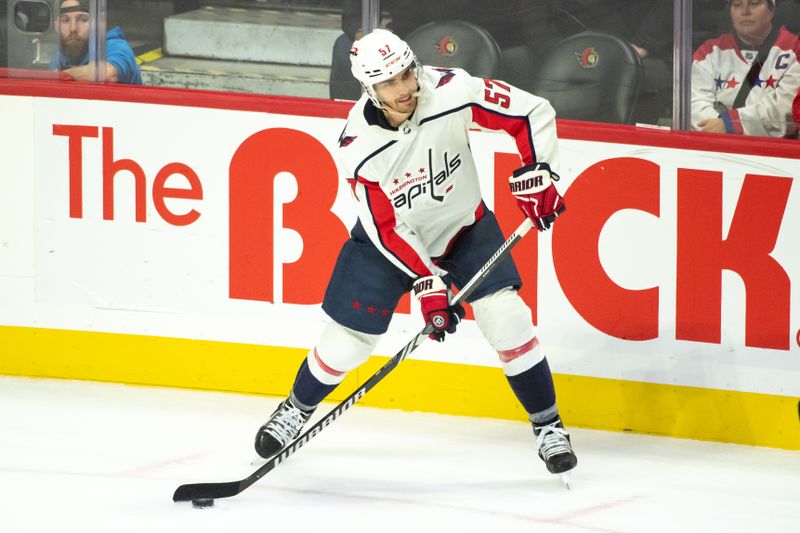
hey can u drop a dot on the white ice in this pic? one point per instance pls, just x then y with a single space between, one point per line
95 457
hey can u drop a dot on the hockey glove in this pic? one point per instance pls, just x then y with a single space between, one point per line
436 309
537 197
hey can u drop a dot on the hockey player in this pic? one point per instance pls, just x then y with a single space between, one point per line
744 82
422 225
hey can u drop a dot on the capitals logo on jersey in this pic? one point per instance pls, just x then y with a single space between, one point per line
447 74
425 181
345 140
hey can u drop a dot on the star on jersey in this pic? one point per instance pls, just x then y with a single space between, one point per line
371 309
733 83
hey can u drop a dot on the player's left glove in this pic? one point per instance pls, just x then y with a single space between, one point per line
536 195
432 295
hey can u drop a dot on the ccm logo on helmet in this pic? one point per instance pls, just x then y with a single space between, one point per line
393 61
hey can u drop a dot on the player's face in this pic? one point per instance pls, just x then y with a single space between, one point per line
751 19
74 31
397 92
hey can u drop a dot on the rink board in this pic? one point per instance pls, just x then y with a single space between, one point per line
164 237
427 386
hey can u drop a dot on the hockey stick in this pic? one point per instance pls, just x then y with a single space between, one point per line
211 491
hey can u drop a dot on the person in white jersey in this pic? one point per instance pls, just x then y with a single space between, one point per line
744 82
423 225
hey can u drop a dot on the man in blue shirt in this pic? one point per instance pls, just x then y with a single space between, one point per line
73 56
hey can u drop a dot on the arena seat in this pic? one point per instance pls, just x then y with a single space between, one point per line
457 43
591 76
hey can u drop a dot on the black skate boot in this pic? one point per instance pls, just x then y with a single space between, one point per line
281 428
555 448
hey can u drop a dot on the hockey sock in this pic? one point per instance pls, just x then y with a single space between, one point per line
535 391
308 391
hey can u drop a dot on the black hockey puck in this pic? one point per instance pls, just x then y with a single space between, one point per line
203 502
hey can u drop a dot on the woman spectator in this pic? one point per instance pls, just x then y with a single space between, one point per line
744 81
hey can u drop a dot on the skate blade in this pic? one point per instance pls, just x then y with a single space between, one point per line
566 479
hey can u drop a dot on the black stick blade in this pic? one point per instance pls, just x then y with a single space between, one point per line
194 491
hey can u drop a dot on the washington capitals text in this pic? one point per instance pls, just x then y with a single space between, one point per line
425 183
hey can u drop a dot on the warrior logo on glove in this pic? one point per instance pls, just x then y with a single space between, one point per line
528 183
536 195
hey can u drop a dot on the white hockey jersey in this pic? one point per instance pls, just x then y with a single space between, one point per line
720 66
417 186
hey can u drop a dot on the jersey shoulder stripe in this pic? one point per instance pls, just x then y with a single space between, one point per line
787 41
518 126
723 42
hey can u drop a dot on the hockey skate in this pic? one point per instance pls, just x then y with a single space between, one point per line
281 428
555 449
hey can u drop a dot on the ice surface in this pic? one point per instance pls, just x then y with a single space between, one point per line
95 457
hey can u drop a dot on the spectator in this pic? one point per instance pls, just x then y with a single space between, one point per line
73 56
744 81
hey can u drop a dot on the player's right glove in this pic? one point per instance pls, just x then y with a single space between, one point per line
536 195
432 295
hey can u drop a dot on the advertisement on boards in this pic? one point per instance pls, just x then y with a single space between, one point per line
671 265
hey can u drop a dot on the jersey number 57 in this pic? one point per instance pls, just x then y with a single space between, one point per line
497 92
